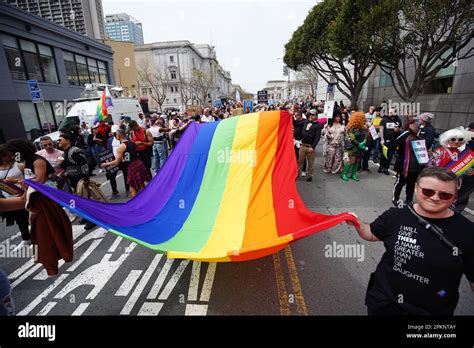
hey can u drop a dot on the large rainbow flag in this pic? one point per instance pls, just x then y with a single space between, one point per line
226 193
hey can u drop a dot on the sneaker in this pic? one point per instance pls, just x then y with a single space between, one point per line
380 170
115 195
386 172
310 179
397 203
303 174
376 161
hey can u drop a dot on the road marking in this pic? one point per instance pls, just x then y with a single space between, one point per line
115 244
77 231
128 283
282 294
150 308
97 275
141 286
153 294
80 309
194 283
43 275
470 211
208 281
26 275
173 281
47 308
10 238
19 271
196 309
43 295
85 255
300 301
108 181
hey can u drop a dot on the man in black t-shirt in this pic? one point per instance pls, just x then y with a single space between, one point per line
390 128
419 274
310 136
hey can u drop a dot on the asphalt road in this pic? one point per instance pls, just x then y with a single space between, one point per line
113 276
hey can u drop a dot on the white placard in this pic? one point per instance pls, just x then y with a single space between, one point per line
373 132
419 148
328 109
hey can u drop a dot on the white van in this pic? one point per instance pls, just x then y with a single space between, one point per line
85 109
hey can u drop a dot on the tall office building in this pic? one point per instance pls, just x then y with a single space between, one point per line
83 16
123 27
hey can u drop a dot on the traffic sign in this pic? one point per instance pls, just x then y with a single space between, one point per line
35 91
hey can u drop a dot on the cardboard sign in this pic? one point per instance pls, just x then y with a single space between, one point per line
248 106
329 109
419 148
107 156
373 132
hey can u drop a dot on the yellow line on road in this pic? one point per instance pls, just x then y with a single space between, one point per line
301 308
282 294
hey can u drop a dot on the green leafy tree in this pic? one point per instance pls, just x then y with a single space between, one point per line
338 40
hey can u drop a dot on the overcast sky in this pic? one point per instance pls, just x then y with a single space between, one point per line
249 36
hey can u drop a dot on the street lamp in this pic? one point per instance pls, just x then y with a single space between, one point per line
286 72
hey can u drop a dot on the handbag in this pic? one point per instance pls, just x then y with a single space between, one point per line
348 145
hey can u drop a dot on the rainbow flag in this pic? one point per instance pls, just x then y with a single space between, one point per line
464 162
226 193
104 103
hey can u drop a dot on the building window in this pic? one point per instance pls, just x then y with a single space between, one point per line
14 59
71 69
173 74
82 70
48 64
443 82
29 60
144 91
36 122
194 62
385 79
175 101
171 59
93 70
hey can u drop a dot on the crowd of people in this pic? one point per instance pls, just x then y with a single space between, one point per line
352 138
139 148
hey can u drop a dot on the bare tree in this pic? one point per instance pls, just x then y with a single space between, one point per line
423 39
157 80
188 90
202 83
308 76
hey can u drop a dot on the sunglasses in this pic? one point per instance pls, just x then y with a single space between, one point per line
456 139
442 195
47 145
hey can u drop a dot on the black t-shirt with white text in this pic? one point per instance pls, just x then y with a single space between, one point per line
389 124
419 271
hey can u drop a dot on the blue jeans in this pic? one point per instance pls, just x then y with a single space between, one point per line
160 154
7 307
376 148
